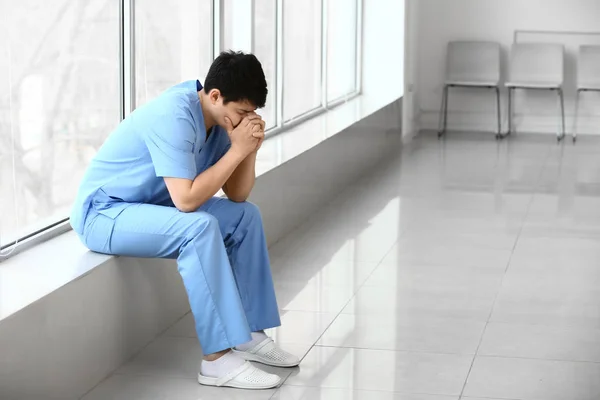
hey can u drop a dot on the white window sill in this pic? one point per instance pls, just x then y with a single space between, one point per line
45 267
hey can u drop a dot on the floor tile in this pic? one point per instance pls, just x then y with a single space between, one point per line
569 203
312 296
400 332
315 393
545 253
482 203
445 302
493 240
408 251
562 296
509 378
368 244
440 279
461 221
390 371
126 387
561 227
541 342
377 210
333 272
301 327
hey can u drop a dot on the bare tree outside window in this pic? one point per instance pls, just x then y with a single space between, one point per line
301 57
59 99
173 42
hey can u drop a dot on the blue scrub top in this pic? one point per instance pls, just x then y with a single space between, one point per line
164 138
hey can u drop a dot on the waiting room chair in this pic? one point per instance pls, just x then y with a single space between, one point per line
588 76
537 66
471 65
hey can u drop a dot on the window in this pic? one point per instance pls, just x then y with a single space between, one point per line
59 99
62 65
237 25
256 35
301 57
341 48
173 42
265 35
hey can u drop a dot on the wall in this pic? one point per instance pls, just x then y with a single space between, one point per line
440 21
64 344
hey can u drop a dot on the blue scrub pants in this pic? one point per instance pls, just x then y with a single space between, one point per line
221 255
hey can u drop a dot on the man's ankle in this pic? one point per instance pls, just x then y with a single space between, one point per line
216 356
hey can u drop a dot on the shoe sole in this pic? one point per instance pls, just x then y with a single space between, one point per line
252 357
208 381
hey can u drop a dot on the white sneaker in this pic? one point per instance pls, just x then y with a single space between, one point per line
267 352
247 376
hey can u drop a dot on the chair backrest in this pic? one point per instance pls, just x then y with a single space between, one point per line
537 63
473 62
588 67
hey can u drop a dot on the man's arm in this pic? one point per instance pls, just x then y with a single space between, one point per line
240 183
189 195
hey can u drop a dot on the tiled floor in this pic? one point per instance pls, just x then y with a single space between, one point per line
462 269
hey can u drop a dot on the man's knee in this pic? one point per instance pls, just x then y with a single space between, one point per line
202 222
250 208
247 210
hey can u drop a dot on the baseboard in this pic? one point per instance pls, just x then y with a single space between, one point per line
477 122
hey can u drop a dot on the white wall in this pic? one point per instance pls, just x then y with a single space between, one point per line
64 344
439 21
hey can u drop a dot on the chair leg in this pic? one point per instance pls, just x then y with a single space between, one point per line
510 111
443 112
446 101
446 108
499 131
561 135
576 116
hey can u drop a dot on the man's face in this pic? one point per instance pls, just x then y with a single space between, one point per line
234 110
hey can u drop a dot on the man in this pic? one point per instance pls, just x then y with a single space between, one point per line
149 193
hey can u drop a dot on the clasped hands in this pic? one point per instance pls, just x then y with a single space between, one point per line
248 135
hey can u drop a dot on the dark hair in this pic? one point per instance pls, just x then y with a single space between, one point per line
239 77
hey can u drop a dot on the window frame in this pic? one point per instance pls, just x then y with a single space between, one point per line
127 87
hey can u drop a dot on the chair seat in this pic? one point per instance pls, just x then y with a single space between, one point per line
534 85
467 83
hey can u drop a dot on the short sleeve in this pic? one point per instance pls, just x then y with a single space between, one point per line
170 142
